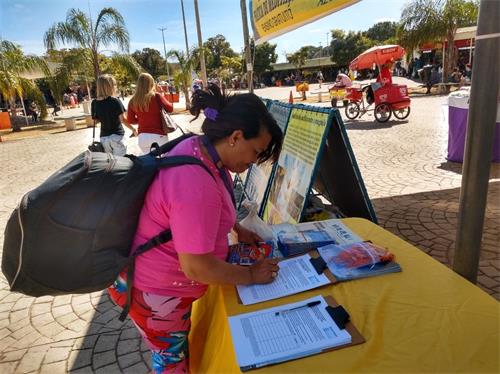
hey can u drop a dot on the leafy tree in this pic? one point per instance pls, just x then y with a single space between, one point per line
74 65
382 32
124 68
151 61
182 77
265 55
13 63
298 58
229 67
217 47
108 30
346 47
424 21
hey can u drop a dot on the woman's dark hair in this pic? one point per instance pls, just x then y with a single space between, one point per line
245 112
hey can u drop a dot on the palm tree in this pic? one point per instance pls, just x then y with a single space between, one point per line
79 29
183 76
424 21
13 64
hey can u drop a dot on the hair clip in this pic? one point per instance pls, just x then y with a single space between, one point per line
211 113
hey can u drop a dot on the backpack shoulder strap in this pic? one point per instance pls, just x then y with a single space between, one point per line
172 161
167 147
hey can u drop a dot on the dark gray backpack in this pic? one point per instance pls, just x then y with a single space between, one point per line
73 233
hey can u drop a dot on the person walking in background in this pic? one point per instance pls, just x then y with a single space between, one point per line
110 112
144 109
320 78
199 208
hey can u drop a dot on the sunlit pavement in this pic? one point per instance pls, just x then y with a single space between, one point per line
414 189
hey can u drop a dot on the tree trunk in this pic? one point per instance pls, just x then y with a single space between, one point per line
185 90
95 62
449 61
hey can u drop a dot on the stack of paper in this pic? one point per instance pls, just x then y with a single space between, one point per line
285 333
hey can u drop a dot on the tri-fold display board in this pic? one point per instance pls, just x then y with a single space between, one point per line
317 156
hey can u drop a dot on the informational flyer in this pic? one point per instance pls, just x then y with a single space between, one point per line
292 178
259 175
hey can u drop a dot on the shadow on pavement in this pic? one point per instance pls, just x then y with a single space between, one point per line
456 167
357 124
428 220
110 346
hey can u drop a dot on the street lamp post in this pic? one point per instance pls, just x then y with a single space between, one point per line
162 29
185 32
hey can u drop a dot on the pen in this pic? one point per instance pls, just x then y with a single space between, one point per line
308 305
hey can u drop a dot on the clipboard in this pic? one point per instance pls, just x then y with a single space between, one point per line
356 339
319 266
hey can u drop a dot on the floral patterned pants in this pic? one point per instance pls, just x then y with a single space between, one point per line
163 322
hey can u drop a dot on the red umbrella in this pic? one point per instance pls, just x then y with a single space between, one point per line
378 55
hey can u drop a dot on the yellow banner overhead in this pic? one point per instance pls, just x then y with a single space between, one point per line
271 18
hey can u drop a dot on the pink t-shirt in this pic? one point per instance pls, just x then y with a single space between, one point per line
199 212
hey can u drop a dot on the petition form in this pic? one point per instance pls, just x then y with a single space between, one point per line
284 333
295 275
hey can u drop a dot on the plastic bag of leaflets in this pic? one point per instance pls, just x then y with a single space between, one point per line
254 223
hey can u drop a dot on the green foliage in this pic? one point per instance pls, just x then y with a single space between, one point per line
182 77
298 59
382 32
109 30
151 61
264 55
346 47
124 68
216 47
424 21
13 63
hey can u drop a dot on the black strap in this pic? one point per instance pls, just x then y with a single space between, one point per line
222 172
130 281
167 147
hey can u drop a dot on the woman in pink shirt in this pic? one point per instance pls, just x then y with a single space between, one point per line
199 209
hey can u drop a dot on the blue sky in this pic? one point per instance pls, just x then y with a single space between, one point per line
26 21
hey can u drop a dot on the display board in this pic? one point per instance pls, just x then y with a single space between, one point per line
257 180
298 161
339 178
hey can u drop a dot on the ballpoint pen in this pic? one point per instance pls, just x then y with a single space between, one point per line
308 305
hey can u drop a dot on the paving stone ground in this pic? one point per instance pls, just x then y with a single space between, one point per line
414 190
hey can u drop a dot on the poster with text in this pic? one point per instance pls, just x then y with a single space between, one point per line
292 178
259 175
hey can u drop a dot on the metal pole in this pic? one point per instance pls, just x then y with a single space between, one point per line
185 32
200 45
248 53
479 141
162 29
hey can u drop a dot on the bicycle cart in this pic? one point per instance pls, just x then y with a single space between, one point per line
387 98
338 93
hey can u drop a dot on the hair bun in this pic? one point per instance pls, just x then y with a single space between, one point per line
210 98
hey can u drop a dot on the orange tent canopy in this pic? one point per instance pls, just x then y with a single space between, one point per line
378 55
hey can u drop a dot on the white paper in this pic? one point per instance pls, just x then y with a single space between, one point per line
262 338
295 275
334 227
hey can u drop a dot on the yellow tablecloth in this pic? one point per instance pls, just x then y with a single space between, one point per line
424 319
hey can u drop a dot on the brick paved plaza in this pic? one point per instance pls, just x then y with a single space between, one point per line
415 192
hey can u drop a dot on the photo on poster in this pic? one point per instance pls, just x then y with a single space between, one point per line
296 165
258 176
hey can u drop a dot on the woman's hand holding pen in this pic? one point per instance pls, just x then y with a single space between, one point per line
264 271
